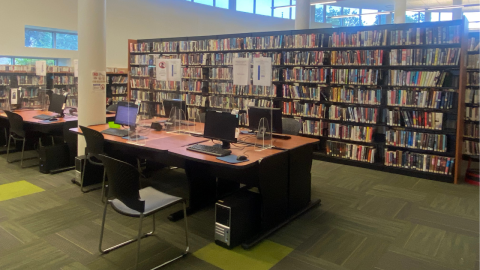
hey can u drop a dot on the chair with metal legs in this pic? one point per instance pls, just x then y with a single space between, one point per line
17 133
126 198
95 142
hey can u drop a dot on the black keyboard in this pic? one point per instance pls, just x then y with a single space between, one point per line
116 132
281 136
210 150
43 117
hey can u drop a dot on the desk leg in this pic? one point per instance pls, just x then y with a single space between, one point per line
202 188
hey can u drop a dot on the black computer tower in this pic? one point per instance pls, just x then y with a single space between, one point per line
93 173
54 157
237 218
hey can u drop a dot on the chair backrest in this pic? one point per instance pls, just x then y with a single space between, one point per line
123 183
290 126
94 140
16 123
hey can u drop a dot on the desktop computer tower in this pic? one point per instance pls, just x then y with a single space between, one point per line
53 158
237 218
93 173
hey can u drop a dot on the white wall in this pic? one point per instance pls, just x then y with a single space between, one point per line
126 19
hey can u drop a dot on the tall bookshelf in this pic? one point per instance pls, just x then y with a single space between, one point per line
117 83
471 136
25 78
340 83
62 79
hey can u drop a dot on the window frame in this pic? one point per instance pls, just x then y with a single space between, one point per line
12 59
54 36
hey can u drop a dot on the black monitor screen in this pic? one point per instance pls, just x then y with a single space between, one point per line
57 103
170 103
220 126
126 114
274 118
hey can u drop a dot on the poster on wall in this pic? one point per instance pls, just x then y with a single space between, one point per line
75 68
174 70
99 81
241 71
14 97
161 69
41 68
262 71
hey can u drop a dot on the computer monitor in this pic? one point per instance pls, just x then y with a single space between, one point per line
221 126
273 116
168 104
57 103
126 114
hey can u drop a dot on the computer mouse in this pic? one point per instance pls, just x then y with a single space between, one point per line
241 158
52 119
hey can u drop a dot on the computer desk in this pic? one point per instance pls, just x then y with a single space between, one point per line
281 175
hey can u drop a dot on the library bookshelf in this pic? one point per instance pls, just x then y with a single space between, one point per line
117 83
23 77
62 79
471 145
387 97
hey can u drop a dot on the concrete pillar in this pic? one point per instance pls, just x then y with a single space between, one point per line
302 14
91 57
457 12
428 16
232 4
400 11
388 18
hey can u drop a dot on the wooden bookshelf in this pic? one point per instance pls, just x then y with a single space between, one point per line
227 46
117 84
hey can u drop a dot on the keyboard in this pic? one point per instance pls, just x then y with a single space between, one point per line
185 123
210 150
281 136
43 117
116 132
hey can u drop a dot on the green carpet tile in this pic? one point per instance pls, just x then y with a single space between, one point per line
367 220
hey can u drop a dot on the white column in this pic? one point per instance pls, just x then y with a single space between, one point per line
302 14
400 11
457 12
428 16
91 57
388 18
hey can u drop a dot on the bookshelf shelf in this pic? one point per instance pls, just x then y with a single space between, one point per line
471 138
450 111
473 52
431 152
434 131
350 141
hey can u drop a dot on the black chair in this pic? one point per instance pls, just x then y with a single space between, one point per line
290 126
95 142
126 198
18 133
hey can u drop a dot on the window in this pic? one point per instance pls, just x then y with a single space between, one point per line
370 19
473 18
31 61
293 10
351 21
281 12
445 16
333 11
319 13
5 60
263 7
205 2
245 6
435 17
39 37
411 17
222 3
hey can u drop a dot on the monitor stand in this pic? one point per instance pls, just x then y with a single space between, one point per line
132 129
262 134
224 145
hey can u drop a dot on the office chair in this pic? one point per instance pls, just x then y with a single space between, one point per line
290 126
126 198
18 133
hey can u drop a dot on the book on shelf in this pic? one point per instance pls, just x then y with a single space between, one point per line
140 47
118 90
51 69
301 92
355 96
351 132
119 79
304 40
419 162
357 58
312 127
140 83
355 76
63 80
167 46
353 114
425 57
194 85
263 43
473 79
228 88
140 59
139 71
31 80
351 151
220 73
166 85
4 80
415 119
299 74
471 147
422 99
472 113
358 39
471 130
222 102
417 78
473 44
472 96
306 109
416 140
308 58
192 73
473 61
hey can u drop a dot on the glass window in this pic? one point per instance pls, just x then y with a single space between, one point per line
473 17
435 17
245 6
263 7
281 12
421 17
222 4
370 19
205 2
445 16
38 39
31 61
333 11
411 17
66 41
5 60
294 9
319 13
351 21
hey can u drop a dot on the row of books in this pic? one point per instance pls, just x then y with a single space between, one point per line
359 39
472 114
311 127
424 36
228 88
471 130
140 59
473 44
118 90
299 74
119 79
357 58
194 86
29 93
351 132
304 41
304 109
353 114
72 103
425 57
4 80
416 78
197 100
32 80
59 69
166 46
141 95
471 147
422 99
415 119
472 96
416 140
118 99
140 47
354 76
9 68
473 61
301 92
63 80
351 151
473 79
356 96
212 59
419 162
308 58
139 72
140 83
237 102
166 85
220 73
192 73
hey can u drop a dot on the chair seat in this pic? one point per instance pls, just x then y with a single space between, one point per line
154 200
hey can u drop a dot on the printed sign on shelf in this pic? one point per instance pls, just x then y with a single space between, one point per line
262 71
161 69
75 68
41 68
